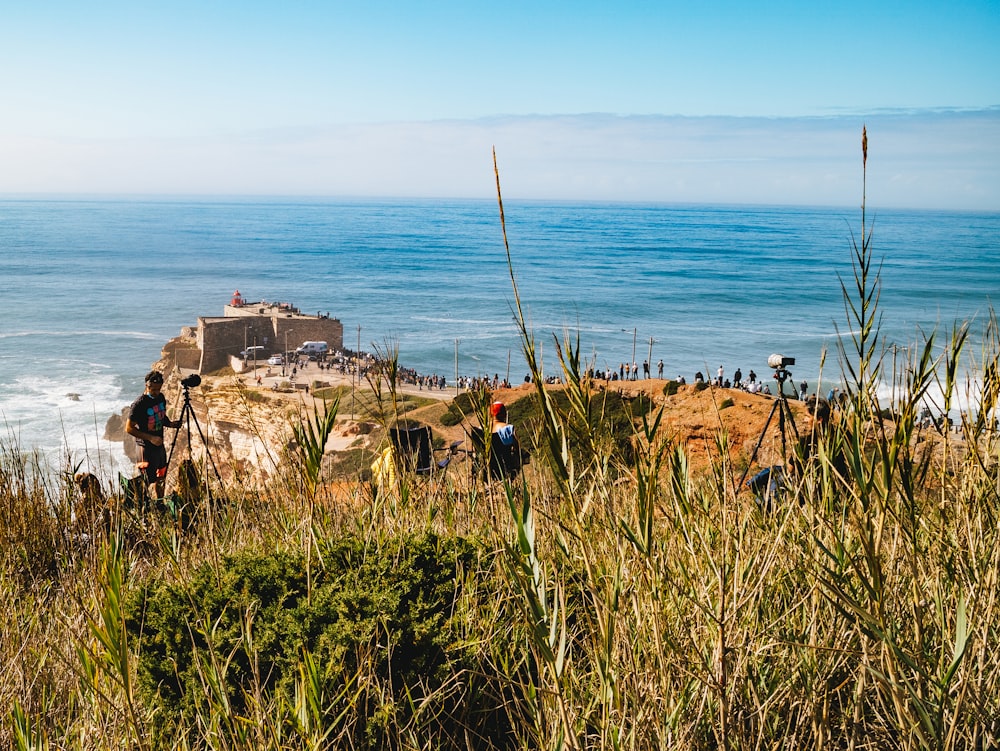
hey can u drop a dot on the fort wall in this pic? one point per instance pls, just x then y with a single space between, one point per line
267 325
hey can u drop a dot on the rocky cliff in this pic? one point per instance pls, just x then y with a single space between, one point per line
247 430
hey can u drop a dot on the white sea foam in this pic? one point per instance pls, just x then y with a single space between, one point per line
965 398
78 333
62 412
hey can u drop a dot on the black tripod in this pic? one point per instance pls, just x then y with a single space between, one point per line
785 418
187 475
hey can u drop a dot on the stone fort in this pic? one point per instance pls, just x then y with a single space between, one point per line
278 327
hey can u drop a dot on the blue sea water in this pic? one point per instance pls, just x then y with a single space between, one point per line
93 288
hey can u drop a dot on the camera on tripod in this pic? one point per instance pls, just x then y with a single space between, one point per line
779 362
188 473
769 481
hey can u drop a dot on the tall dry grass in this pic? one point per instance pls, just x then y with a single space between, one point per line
615 600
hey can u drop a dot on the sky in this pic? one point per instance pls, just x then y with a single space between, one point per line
726 102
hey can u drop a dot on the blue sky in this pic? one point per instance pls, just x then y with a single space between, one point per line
662 101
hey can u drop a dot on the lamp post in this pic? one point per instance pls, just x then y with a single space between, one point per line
357 368
649 361
456 368
635 333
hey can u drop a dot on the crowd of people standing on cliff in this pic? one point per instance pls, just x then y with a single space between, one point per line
408 376
748 382
364 363
432 381
626 371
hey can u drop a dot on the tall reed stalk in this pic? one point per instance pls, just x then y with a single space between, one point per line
311 435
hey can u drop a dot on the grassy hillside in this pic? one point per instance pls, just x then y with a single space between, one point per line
613 595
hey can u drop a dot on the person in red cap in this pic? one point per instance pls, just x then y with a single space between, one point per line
503 429
505 456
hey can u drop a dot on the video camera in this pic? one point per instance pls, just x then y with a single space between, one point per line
191 381
779 362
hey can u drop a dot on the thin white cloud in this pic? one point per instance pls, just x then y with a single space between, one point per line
945 159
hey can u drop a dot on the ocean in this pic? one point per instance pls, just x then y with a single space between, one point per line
92 289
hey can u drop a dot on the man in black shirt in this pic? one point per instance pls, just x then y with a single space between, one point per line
146 419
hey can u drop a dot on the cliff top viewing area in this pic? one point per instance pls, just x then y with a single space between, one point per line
238 307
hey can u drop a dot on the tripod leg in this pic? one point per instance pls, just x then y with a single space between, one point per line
760 440
186 417
785 415
185 410
781 429
791 420
207 452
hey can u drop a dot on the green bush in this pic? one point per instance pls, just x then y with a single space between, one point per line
726 403
700 385
459 408
330 393
670 388
386 615
611 413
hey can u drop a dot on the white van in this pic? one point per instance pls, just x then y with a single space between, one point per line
313 349
253 353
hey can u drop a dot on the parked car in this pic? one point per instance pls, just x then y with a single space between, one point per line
275 360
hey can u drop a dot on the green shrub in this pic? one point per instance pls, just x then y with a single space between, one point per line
459 408
670 388
451 418
330 393
726 403
611 413
700 385
375 617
